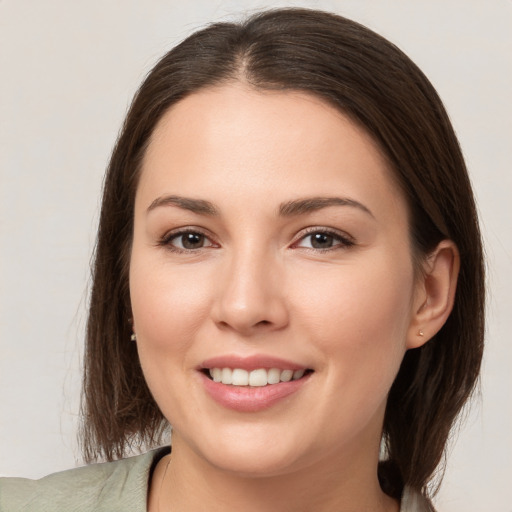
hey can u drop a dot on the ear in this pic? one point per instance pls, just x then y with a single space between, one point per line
434 294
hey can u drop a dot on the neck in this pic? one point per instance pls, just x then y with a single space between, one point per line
189 482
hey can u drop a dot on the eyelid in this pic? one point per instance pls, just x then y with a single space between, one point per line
165 240
345 239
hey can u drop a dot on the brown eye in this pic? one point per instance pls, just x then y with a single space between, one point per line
321 240
188 241
191 240
324 240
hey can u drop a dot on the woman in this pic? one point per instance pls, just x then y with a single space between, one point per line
288 271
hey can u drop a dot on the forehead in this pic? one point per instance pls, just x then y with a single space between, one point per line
263 144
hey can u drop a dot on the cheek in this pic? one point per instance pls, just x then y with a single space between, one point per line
168 307
359 314
168 304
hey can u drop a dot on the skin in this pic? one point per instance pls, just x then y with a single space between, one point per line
258 286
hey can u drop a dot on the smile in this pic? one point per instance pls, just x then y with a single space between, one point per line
255 378
252 395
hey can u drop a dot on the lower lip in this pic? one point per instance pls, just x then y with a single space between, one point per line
251 399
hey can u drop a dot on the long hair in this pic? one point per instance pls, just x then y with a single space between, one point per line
370 80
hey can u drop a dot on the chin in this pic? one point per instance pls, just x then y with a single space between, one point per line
250 456
259 465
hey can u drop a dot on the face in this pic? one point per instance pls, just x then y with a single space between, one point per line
270 243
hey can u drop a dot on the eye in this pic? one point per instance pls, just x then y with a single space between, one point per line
186 241
324 240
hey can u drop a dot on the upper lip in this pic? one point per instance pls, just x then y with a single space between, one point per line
249 363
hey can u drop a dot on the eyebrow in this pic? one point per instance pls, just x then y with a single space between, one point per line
288 209
199 206
311 204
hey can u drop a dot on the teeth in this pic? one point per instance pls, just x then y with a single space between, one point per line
297 374
240 377
226 375
274 376
255 378
286 375
258 378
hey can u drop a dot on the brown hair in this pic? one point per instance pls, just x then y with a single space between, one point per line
373 82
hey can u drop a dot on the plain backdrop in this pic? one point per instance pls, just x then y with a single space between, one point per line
67 73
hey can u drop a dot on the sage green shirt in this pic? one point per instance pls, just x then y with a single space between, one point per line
120 486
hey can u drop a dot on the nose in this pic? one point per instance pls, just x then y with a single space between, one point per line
250 295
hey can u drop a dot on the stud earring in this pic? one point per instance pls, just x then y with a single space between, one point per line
133 337
421 333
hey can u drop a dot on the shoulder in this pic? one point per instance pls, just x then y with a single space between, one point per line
120 485
413 501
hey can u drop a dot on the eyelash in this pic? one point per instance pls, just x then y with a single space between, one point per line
166 240
344 241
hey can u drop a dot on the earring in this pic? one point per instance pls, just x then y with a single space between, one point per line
421 333
134 337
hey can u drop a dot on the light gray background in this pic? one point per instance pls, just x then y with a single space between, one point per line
67 73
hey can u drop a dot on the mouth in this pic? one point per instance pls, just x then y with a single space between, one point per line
259 377
254 383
